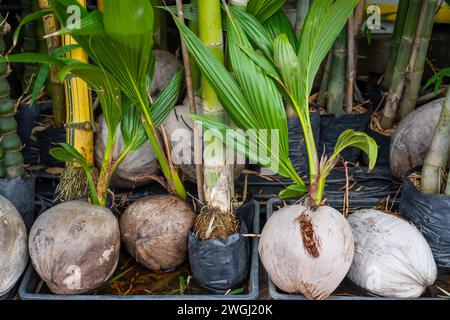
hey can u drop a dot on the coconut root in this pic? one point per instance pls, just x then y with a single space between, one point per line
309 238
212 223
73 184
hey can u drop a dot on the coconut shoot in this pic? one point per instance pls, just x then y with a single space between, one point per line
121 107
255 101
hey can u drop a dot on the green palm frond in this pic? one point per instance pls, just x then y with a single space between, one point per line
264 9
252 100
279 24
119 41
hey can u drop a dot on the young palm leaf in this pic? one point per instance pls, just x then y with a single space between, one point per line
253 101
264 9
278 24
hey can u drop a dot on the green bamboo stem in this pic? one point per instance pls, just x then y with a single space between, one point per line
437 158
323 93
302 11
11 159
389 112
396 40
418 57
195 71
210 31
336 84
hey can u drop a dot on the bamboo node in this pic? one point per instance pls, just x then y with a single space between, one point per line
85 126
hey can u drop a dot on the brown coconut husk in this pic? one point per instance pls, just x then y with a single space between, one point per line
155 231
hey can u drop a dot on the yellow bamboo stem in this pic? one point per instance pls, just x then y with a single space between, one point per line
80 116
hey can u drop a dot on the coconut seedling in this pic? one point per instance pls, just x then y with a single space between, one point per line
124 101
125 44
305 248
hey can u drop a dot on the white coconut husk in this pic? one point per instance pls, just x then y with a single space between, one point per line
13 245
300 261
74 247
412 138
155 231
392 258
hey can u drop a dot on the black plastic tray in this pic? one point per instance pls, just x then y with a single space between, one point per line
276 294
30 280
367 189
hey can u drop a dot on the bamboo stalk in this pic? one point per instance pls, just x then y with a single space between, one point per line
100 5
56 89
210 31
418 57
354 24
437 158
325 78
396 40
398 78
193 109
351 64
359 15
80 133
336 84
302 11
79 127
